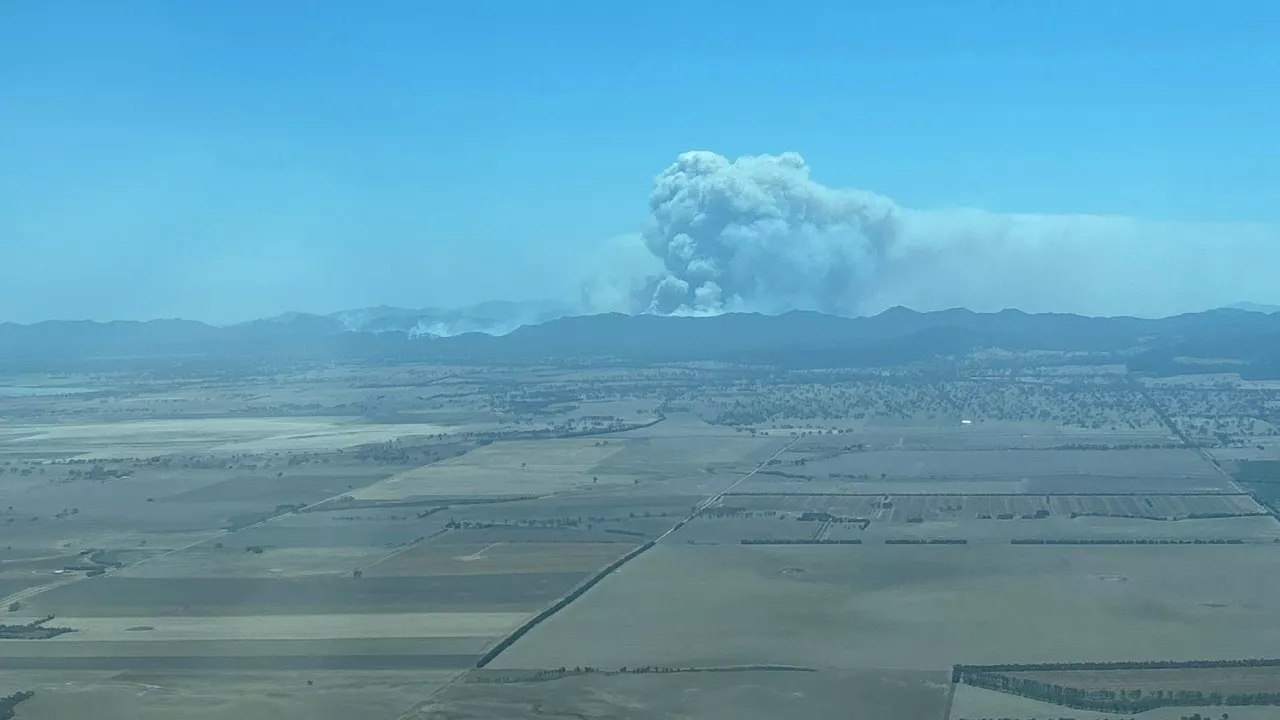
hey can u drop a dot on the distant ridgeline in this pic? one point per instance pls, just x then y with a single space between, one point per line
1209 342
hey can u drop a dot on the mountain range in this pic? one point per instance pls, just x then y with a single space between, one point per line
493 318
1233 340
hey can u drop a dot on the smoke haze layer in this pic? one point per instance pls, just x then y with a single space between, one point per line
759 234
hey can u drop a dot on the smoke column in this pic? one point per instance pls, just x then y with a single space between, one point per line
759 234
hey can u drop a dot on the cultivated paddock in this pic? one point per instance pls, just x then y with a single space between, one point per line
916 607
730 694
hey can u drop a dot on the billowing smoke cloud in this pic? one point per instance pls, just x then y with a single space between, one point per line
758 233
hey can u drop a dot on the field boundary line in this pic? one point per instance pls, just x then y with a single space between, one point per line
718 496
401 550
607 570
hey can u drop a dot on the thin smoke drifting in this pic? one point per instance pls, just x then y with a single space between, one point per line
759 234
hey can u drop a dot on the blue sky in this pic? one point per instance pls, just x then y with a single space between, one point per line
233 159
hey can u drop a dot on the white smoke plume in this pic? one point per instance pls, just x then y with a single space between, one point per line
759 234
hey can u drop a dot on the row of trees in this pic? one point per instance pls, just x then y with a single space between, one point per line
562 671
958 670
800 541
1124 541
1111 701
34 630
559 605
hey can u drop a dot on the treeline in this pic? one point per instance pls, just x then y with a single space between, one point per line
1064 717
785 475
551 523
9 703
394 452
559 605
562 671
811 516
1121 446
568 430
1118 665
34 630
1124 541
776 493
805 541
1188 516
98 563
1110 701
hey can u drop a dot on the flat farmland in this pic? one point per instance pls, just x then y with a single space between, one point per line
527 468
951 434
714 530
272 533
772 483
678 446
147 438
1016 464
215 695
1053 529
222 653
304 531
974 703
287 627
505 469
1029 471
207 561
295 485
908 508
915 607
113 596
737 694
1080 530
602 513
498 558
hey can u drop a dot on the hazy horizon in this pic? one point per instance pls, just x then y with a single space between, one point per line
570 311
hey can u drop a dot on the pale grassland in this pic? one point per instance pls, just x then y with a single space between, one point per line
290 627
147 438
738 694
207 561
152 543
505 468
499 557
205 695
